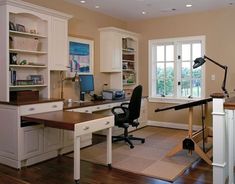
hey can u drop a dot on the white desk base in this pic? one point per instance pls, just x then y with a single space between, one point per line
89 127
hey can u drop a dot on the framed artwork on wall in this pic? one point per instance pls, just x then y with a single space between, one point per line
81 55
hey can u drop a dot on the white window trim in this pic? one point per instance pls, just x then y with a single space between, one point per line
174 99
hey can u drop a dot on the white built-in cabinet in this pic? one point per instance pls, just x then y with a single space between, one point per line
26 143
37 39
110 51
119 57
59 44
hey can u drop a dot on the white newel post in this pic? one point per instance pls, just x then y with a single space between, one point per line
220 166
230 125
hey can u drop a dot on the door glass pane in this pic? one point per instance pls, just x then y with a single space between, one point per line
197 72
160 87
169 53
197 50
160 70
185 88
169 86
186 48
169 70
185 70
160 53
196 87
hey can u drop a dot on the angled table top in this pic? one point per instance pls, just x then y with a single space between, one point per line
185 105
62 119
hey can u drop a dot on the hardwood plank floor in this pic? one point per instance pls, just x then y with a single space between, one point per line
60 171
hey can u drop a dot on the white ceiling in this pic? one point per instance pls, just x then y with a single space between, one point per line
132 9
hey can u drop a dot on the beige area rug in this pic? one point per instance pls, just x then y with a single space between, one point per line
146 159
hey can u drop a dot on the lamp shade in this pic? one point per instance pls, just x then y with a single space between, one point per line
198 62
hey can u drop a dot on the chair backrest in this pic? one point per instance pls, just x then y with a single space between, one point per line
135 103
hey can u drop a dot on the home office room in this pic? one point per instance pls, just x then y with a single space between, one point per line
134 91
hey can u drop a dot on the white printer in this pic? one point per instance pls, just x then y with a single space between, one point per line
113 94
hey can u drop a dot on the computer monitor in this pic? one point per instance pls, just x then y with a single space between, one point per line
86 83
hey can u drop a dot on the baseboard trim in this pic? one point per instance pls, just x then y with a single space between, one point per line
172 125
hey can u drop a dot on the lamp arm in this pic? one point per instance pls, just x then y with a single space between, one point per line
218 64
225 74
224 81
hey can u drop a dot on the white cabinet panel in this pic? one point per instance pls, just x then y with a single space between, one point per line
68 138
52 139
59 44
32 141
110 51
8 132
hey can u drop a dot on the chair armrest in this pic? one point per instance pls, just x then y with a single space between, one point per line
123 109
125 104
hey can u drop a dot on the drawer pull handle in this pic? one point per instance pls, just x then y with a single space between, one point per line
54 106
107 123
31 109
97 107
86 128
86 110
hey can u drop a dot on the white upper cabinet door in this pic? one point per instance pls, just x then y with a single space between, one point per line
110 51
59 44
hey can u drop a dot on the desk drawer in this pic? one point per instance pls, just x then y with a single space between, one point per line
93 126
39 108
86 110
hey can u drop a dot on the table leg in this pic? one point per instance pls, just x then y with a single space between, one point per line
76 158
190 121
109 147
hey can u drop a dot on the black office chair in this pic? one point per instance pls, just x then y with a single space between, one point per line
128 114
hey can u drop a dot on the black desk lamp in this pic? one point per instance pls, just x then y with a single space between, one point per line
200 61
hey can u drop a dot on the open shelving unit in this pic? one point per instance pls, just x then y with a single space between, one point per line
119 57
30 49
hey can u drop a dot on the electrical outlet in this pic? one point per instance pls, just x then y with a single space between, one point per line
213 77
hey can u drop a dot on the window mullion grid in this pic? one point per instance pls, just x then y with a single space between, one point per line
164 69
179 66
191 69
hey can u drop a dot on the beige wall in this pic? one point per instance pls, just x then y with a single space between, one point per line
85 23
218 27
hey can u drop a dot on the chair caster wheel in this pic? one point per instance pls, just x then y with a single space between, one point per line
143 141
131 147
76 181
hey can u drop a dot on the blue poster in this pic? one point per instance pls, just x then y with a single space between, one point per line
79 57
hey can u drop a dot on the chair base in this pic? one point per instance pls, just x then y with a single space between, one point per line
127 139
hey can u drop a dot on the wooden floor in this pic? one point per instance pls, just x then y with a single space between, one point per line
60 171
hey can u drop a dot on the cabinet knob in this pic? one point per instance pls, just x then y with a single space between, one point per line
107 123
31 109
97 107
54 106
86 128
86 110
